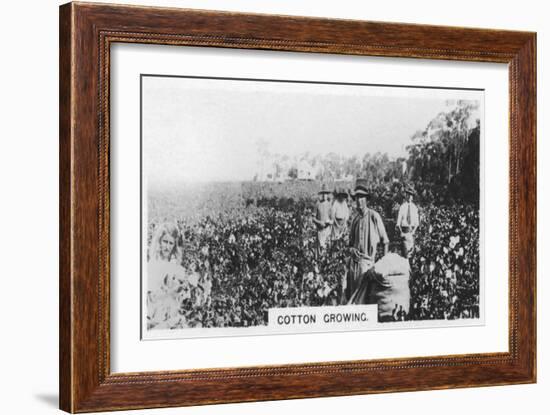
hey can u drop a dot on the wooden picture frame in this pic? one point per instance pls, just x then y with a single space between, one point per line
86 33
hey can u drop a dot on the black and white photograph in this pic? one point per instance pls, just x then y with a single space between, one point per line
283 206
275 207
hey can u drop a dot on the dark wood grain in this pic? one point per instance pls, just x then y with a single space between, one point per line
86 33
65 246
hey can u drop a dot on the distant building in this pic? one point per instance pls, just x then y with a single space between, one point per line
273 172
306 171
268 174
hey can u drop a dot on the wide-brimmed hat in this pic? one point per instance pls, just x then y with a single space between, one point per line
361 188
324 189
341 192
409 190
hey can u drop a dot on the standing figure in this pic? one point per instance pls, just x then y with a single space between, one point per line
366 232
340 213
407 222
322 219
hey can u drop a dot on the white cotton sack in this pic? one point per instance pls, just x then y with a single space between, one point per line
392 264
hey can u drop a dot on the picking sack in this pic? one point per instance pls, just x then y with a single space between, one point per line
387 285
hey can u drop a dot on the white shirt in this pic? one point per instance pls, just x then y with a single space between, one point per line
340 211
408 215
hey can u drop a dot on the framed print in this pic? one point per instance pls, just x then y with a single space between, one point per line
259 207
253 232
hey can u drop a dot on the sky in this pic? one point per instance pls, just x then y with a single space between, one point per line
196 130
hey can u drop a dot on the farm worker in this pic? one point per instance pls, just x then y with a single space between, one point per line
366 232
340 213
322 219
407 222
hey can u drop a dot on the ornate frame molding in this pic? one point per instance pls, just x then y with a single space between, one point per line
86 34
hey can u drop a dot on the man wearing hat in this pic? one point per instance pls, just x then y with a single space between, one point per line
340 213
322 219
366 232
407 222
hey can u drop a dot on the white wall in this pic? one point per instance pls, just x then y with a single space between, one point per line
28 212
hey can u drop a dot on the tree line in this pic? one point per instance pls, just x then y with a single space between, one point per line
445 155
